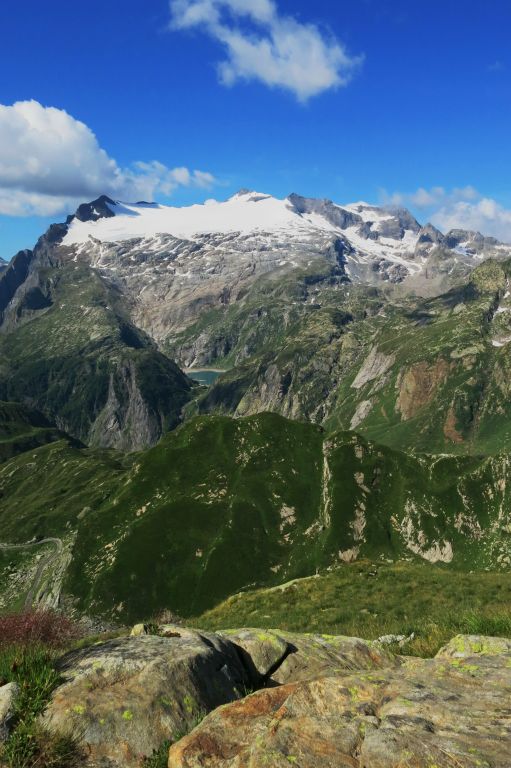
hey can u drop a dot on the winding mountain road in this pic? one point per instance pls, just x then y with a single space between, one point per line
43 564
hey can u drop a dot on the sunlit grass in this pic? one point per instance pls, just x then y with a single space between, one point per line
369 601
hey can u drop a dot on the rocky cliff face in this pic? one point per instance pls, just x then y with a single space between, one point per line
68 349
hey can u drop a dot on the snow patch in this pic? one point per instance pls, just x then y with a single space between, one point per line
244 213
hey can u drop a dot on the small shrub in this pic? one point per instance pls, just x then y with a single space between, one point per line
29 646
47 628
159 758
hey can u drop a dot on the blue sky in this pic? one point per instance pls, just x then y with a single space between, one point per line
392 101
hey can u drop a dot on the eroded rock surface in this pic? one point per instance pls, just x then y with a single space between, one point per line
449 712
322 702
125 697
289 657
8 695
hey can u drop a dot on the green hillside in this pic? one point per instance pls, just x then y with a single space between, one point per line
220 505
424 606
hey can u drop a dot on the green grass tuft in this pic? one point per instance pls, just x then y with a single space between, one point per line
31 664
160 758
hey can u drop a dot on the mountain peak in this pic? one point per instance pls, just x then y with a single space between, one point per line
249 196
97 209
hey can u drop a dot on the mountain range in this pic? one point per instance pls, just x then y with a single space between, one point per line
360 403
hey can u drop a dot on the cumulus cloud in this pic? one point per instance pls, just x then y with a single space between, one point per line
427 198
262 44
458 208
484 215
50 161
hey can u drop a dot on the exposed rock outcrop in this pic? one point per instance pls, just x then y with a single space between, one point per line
8 696
443 712
284 657
418 385
323 701
125 697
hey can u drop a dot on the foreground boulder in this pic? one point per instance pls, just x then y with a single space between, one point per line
449 712
285 657
8 696
125 697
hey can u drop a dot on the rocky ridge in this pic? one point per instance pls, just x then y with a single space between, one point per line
319 701
173 264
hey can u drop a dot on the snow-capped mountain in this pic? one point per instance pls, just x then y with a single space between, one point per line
223 284
367 231
172 263
258 231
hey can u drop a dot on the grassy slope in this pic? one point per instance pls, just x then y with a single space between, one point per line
22 429
370 600
221 505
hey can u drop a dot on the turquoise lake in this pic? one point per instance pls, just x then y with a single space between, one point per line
203 376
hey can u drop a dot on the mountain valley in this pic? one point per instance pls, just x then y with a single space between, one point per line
361 408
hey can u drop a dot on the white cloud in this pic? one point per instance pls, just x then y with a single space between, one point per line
458 208
15 202
275 49
485 215
157 177
427 198
424 198
49 161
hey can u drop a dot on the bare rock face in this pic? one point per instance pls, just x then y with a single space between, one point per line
125 697
135 414
444 712
284 657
